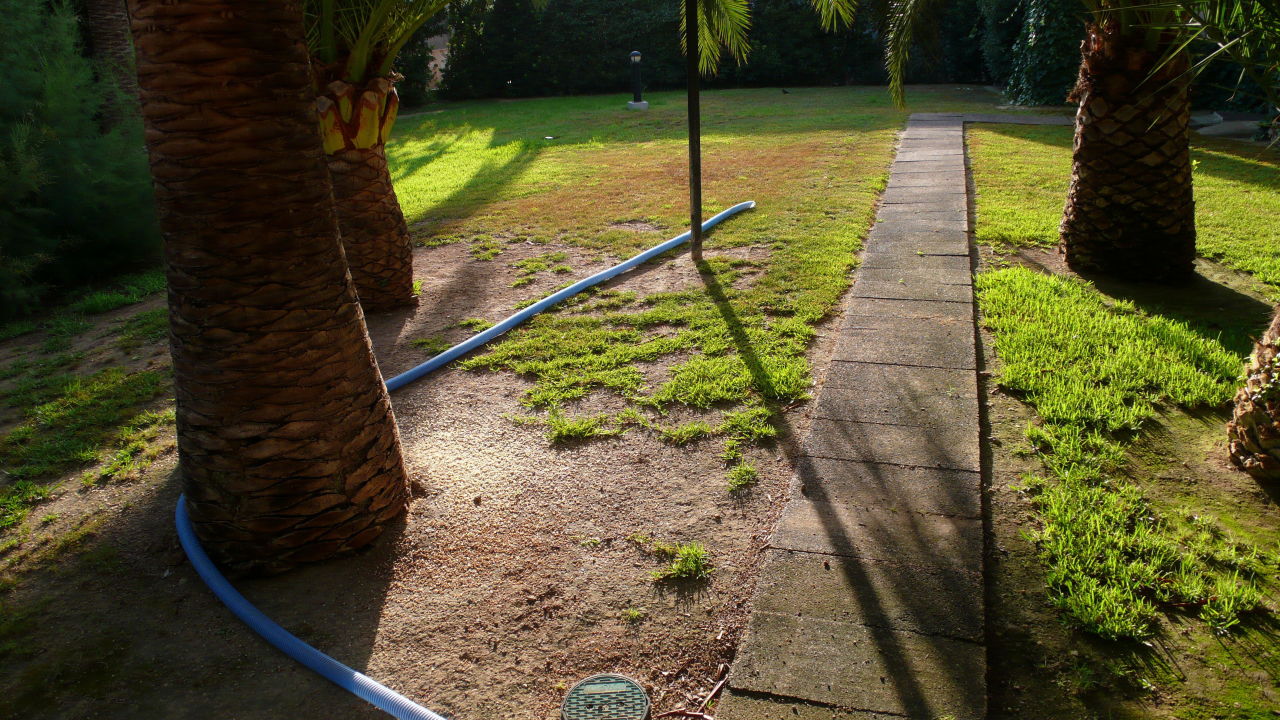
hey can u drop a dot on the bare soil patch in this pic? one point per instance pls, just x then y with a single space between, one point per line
516 573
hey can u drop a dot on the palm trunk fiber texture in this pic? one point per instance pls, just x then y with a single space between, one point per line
288 449
107 25
355 122
374 233
1254 430
1130 212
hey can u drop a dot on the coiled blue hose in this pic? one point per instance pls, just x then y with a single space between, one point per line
359 684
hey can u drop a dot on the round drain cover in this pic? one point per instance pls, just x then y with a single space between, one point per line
606 697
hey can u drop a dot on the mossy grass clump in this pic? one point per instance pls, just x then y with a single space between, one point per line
1096 370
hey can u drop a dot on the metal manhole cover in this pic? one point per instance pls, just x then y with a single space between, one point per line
606 697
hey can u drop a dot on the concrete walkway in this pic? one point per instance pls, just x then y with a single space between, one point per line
870 602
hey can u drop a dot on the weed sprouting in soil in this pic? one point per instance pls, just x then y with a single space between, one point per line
687 561
433 345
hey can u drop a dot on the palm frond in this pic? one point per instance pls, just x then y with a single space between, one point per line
722 29
904 19
364 35
835 13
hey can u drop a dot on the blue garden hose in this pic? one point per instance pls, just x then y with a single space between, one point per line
359 684
481 338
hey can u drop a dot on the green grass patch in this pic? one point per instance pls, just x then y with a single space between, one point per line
148 326
69 421
15 328
1095 370
125 290
742 476
566 429
135 448
1022 174
686 433
527 269
474 324
686 561
433 345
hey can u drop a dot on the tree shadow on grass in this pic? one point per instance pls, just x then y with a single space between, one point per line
1211 308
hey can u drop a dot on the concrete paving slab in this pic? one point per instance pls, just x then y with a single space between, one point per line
872 592
947 447
931 167
938 153
927 540
922 213
850 484
949 203
857 666
881 307
739 705
922 245
905 223
885 234
873 378
935 343
940 276
952 178
914 291
908 260
922 407
922 194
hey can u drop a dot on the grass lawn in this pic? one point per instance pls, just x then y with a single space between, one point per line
528 547
1022 172
577 173
1141 530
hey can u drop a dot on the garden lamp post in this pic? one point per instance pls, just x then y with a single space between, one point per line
636 102
695 130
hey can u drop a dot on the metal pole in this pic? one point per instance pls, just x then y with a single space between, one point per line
635 80
695 131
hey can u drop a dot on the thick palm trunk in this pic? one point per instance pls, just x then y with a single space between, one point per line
288 448
1254 430
355 123
1130 212
107 24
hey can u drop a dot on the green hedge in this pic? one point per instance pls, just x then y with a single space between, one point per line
504 48
1045 59
75 200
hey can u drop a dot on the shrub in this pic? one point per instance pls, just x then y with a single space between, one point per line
1046 55
75 200
505 48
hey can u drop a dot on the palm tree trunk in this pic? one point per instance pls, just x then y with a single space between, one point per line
107 25
288 448
355 123
1130 212
1254 430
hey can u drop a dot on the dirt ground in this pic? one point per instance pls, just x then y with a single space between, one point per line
506 583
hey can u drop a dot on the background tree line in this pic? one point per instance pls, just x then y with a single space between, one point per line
506 48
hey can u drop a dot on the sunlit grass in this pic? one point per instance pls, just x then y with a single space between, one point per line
1095 371
608 184
1021 174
